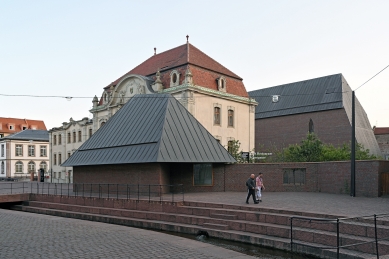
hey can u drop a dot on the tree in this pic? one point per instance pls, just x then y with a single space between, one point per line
312 149
234 149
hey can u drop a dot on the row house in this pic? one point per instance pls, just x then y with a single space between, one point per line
24 153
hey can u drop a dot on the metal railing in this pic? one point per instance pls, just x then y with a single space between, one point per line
172 193
334 225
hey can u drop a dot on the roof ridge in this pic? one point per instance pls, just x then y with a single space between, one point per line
316 78
235 75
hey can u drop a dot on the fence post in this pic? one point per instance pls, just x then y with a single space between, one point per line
160 194
127 191
37 187
182 189
172 193
61 189
23 187
291 234
376 239
337 238
149 193
11 188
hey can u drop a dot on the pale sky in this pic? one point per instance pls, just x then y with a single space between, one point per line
75 48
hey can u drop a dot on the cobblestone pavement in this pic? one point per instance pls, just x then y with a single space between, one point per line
334 204
27 235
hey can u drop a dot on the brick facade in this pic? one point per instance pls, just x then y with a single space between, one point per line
327 177
331 126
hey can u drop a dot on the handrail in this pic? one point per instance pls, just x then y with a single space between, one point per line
150 192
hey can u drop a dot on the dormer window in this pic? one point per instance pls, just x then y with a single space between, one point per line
174 78
221 84
105 98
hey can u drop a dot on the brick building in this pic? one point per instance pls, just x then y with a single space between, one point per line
147 142
382 136
286 113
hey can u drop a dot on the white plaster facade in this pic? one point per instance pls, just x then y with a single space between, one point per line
19 157
63 142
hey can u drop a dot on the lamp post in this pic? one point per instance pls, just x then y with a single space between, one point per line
352 183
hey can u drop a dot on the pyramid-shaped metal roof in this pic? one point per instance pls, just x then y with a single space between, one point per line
150 128
37 135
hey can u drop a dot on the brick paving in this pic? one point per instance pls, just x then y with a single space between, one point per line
332 204
27 235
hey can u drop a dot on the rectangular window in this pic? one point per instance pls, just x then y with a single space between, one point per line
59 139
90 133
216 116
230 118
43 151
79 136
31 150
294 176
69 138
55 159
74 137
2 150
55 140
202 174
59 174
19 150
59 159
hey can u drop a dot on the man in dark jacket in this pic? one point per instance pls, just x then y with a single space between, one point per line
250 183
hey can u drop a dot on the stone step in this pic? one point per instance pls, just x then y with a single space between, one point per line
216 226
239 236
270 229
223 216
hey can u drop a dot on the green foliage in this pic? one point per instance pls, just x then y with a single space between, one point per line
234 149
312 149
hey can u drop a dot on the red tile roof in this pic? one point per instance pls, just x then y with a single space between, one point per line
18 125
205 70
381 131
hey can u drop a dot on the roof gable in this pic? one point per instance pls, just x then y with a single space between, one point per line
319 94
150 128
179 56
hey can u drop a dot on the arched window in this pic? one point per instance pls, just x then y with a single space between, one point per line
55 140
102 124
2 167
31 166
19 167
311 126
43 165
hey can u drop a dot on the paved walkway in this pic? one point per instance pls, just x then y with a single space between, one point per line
27 235
333 204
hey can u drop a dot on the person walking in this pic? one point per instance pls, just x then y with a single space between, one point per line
259 186
250 183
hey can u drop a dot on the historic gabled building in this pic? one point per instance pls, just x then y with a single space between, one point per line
286 113
10 126
214 95
24 152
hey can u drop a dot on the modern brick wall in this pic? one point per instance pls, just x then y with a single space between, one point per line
327 177
331 126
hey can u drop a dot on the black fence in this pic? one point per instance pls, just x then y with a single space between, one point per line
173 193
360 234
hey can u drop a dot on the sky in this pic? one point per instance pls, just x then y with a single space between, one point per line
75 48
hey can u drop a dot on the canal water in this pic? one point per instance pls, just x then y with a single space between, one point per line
248 249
